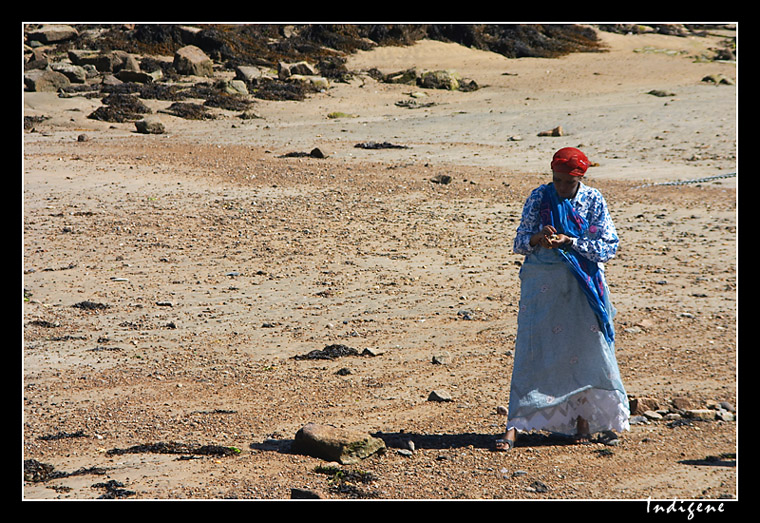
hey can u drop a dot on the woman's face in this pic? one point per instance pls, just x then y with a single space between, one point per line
566 184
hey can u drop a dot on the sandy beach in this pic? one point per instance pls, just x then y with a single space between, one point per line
215 261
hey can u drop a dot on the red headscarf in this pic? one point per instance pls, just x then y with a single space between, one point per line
570 160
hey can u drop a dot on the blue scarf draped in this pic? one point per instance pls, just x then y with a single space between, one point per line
561 214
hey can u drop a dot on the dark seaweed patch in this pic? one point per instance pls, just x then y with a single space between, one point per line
330 352
177 448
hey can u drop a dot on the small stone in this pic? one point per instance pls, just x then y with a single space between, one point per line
557 131
443 358
405 452
439 396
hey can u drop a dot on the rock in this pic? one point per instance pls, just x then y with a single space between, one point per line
335 444
104 62
444 358
443 179
141 77
190 34
652 415
150 126
638 420
724 415
48 34
439 396
37 60
439 80
557 131
317 82
192 60
717 79
286 70
682 403
316 153
639 406
75 73
661 94
298 493
700 414
248 73
407 76
109 79
235 86
128 62
727 406
39 80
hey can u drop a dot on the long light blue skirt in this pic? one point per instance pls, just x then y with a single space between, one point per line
563 366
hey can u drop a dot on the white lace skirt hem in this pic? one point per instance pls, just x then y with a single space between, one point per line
604 410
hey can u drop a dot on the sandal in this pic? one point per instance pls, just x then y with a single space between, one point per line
504 444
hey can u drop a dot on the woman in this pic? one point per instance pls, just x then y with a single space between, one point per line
565 377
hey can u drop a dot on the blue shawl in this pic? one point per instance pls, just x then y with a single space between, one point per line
561 214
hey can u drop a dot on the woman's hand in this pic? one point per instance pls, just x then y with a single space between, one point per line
548 238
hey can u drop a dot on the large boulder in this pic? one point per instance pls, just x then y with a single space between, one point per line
335 444
49 34
45 80
192 60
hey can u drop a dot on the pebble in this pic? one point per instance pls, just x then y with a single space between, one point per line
439 396
442 359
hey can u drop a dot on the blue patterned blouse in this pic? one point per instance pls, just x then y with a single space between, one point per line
600 241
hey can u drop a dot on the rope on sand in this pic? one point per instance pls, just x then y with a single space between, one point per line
696 180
